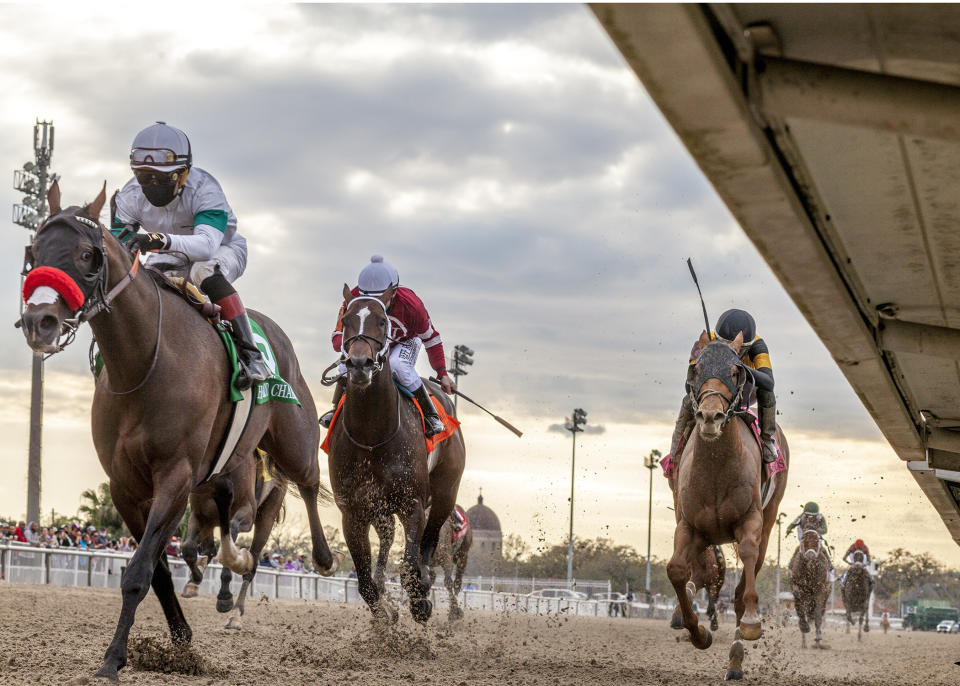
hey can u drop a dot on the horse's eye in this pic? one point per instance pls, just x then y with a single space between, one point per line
87 255
382 322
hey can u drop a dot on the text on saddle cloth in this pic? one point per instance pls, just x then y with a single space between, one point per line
450 425
669 463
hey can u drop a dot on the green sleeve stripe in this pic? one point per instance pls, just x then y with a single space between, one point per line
215 218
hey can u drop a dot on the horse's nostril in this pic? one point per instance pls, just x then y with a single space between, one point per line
48 324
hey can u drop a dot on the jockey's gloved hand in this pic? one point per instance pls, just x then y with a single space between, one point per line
146 242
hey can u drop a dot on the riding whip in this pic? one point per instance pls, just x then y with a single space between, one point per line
706 320
505 423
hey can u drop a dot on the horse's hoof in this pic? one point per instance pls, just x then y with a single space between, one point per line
733 675
707 640
224 605
234 623
866 628
676 621
190 590
421 609
338 557
108 674
714 624
456 613
751 632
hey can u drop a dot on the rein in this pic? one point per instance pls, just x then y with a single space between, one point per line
733 404
156 347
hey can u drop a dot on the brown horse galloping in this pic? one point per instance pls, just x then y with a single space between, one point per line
855 591
810 583
452 555
718 493
379 464
160 407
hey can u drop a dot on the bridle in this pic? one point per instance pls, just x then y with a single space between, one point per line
819 542
380 346
380 356
99 299
733 403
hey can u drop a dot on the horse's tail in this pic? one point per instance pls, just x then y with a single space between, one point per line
324 494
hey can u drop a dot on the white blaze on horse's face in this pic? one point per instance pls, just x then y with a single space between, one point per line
363 314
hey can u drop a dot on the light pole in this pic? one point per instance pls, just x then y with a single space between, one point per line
32 180
650 462
578 419
779 537
462 357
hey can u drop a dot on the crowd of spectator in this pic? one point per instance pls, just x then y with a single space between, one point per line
74 535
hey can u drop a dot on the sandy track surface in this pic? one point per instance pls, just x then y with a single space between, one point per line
57 635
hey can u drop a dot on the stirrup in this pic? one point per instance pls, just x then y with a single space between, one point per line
326 419
432 425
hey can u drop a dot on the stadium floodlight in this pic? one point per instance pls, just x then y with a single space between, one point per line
573 424
32 180
462 357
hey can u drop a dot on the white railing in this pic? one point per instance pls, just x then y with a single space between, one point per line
103 569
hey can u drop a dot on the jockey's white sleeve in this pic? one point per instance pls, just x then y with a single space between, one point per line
202 245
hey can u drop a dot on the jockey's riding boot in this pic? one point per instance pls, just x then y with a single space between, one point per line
431 421
683 420
337 394
253 368
767 411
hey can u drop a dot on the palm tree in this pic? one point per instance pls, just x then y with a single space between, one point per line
97 507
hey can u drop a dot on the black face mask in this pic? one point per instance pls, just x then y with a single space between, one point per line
160 195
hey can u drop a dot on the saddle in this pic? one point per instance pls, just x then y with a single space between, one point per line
450 425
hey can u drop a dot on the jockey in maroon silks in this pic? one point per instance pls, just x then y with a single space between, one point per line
411 329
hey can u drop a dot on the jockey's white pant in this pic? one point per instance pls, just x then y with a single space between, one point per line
231 259
403 364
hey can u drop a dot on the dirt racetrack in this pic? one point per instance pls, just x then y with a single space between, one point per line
54 635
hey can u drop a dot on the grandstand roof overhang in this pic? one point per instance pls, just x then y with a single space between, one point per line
832 133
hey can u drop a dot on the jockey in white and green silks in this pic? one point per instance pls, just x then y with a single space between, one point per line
190 228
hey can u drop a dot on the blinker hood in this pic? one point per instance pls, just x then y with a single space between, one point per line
714 362
49 249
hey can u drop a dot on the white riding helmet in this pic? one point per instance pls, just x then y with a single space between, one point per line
377 277
161 147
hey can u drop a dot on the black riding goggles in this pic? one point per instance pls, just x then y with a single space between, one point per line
152 177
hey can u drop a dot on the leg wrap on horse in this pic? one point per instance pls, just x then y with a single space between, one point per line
767 406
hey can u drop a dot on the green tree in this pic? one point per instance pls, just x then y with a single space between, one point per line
97 508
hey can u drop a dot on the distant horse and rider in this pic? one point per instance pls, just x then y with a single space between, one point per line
383 456
856 585
725 490
453 550
162 404
810 583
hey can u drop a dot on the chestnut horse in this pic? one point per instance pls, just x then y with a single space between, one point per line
160 407
718 483
379 462
452 555
810 583
856 588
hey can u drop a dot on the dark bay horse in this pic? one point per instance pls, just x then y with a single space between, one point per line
718 493
856 587
379 466
160 407
810 584
262 514
451 556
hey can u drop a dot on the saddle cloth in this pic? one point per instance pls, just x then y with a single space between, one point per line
450 425
772 469
461 524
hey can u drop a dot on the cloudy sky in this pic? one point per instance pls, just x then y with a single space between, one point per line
511 166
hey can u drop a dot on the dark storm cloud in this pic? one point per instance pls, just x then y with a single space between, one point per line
565 273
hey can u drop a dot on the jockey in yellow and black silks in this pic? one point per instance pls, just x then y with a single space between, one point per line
756 356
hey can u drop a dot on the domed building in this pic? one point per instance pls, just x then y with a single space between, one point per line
486 553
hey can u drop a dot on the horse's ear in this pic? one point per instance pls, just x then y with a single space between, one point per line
737 343
96 207
53 198
704 340
347 295
388 294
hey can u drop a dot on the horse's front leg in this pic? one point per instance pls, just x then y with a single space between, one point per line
748 534
687 544
385 528
356 533
326 560
414 575
171 489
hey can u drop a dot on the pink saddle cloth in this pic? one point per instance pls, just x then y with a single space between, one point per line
668 463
